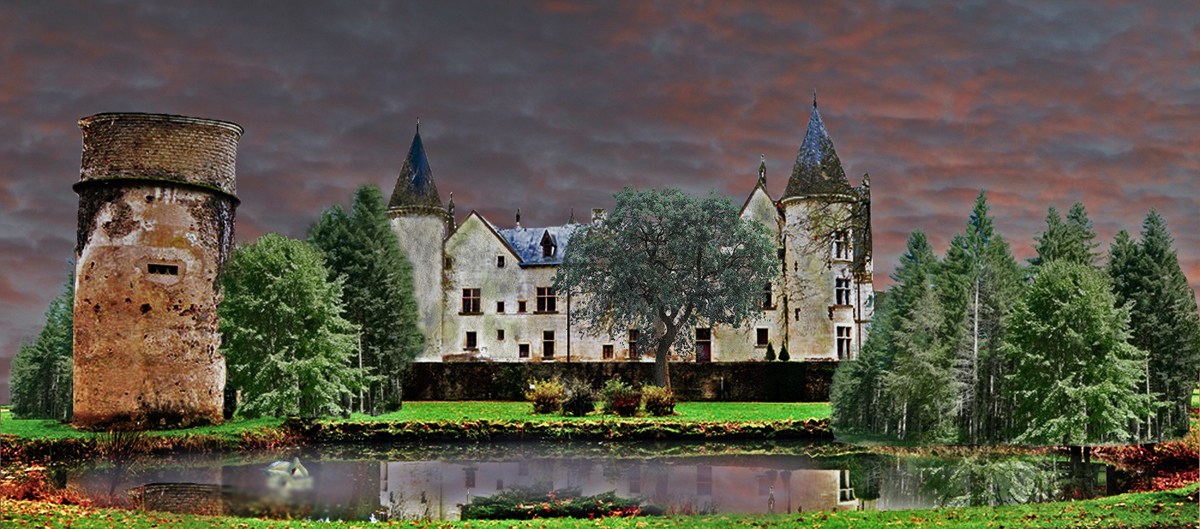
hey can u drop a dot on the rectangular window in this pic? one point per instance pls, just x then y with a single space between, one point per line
499 484
448 261
546 300
607 351
469 481
762 337
171 270
499 261
781 253
841 290
472 343
523 350
500 307
843 342
470 301
845 492
767 297
500 335
547 344
633 348
703 345
521 306
841 247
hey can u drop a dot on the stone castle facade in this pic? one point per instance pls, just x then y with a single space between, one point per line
486 293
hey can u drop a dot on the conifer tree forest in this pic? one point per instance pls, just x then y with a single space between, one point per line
1076 349
42 369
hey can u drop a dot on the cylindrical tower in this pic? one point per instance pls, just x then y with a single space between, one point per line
156 207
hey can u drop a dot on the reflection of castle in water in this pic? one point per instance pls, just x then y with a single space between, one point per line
437 489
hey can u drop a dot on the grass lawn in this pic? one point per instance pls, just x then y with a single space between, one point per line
425 411
1155 509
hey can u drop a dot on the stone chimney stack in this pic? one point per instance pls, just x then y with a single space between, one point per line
156 213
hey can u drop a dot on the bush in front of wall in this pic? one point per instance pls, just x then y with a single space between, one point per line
770 352
580 401
783 354
660 402
621 398
546 395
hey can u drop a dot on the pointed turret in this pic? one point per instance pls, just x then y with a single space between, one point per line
414 186
818 170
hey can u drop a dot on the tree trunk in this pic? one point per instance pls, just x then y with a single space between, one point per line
662 378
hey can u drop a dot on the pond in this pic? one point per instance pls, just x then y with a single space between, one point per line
362 482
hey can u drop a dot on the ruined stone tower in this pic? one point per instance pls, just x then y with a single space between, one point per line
156 207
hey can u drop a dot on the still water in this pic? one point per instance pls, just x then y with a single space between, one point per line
434 481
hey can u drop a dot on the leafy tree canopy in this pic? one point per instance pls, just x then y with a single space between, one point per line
286 344
663 262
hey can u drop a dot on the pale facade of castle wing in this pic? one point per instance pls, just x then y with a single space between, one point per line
486 293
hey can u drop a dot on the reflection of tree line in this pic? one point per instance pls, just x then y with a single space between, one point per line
977 480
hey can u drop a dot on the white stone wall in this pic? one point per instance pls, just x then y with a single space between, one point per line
421 237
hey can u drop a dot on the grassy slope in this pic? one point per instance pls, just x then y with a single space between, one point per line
459 411
1157 509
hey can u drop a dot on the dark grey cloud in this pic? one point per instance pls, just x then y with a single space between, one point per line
554 105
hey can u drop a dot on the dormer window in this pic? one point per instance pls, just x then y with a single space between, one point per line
547 246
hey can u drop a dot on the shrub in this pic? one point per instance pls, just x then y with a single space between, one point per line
770 352
783 355
580 401
540 501
660 402
621 398
546 395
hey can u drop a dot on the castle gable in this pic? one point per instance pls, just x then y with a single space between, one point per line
760 207
476 232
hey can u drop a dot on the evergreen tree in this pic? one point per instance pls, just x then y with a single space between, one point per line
287 347
922 381
378 291
42 371
1070 240
859 402
770 357
1163 321
977 284
1075 378
783 354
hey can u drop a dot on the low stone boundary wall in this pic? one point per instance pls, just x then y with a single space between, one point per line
724 381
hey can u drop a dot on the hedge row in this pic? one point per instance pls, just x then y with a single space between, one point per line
586 430
693 382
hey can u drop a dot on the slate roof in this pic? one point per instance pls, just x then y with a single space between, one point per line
414 186
818 169
527 242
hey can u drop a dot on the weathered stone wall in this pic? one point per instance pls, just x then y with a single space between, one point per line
421 232
725 381
150 247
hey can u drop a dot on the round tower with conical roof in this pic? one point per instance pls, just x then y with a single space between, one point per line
156 209
827 239
421 223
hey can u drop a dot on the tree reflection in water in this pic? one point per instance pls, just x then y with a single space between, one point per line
988 481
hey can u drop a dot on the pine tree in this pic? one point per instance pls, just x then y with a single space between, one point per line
922 382
378 291
1075 378
783 354
1069 240
42 371
977 284
287 346
1164 321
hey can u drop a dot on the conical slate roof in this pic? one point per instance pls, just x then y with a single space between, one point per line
817 170
414 186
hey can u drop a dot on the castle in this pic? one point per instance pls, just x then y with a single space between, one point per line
486 293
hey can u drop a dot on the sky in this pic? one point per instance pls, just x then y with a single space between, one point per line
557 105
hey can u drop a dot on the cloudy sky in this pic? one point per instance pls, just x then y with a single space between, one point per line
549 106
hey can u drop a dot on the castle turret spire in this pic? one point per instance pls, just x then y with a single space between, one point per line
762 169
818 169
414 186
